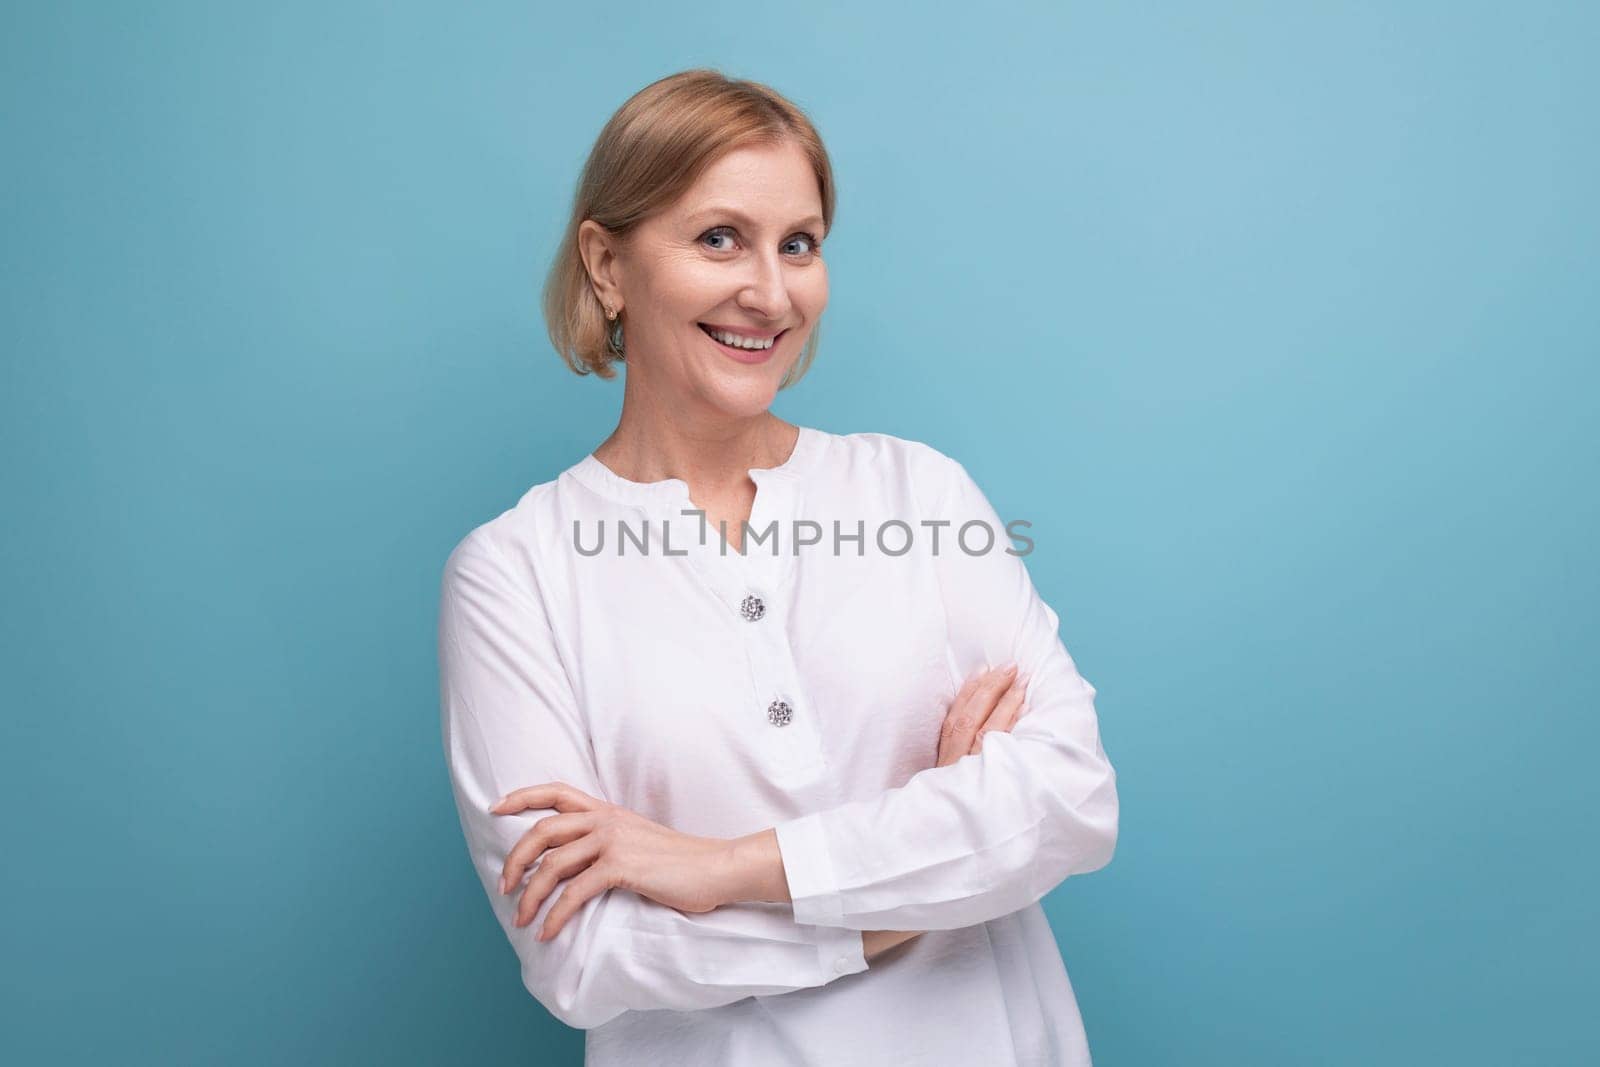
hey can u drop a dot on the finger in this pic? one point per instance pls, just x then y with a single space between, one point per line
960 722
1005 712
955 735
578 892
1011 706
559 863
978 678
548 832
967 687
557 795
998 717
964 717
989 691
983 699
947 725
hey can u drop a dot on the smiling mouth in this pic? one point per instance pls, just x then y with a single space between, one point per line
778 337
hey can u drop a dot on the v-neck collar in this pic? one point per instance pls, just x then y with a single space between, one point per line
780 492
668 496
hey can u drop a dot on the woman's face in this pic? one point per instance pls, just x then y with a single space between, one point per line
740 251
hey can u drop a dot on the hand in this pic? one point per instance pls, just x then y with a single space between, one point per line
599 846
990 700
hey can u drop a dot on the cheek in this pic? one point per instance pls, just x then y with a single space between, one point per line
681 286
814 289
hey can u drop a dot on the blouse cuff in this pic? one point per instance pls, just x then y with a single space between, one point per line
808 866
840 951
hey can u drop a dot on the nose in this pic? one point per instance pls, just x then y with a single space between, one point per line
767 292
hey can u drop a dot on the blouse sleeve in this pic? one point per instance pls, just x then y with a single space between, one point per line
509 719
994 831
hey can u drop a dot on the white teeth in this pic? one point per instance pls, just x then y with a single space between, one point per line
741 342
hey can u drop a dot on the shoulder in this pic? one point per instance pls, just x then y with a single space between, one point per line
508 545
922 469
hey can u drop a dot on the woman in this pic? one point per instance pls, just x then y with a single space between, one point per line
718 709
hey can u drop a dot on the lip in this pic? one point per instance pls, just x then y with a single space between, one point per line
743 355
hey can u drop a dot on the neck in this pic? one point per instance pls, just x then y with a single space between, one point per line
711 450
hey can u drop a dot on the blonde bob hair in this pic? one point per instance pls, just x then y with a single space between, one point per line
647 156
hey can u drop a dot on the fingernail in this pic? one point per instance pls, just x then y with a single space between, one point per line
502 885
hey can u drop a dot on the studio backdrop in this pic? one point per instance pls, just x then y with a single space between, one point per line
1278 323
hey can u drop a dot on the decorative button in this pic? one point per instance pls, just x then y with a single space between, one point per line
842 964
779 713
752 608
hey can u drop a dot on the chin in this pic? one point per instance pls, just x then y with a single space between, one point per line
748 405
743 399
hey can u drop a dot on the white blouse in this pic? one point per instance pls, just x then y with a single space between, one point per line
800 685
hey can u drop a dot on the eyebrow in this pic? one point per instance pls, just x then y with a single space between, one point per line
814 221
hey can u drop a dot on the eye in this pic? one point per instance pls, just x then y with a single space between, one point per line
811 245
718 232
814 245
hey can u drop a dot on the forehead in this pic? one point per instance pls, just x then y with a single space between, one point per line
771 184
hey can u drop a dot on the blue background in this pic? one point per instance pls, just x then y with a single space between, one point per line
1278 320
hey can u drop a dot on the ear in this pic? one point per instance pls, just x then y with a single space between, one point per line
599 249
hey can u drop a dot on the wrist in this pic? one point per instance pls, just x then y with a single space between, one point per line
753 869
875 943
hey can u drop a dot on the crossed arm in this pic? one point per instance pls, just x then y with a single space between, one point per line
797 905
